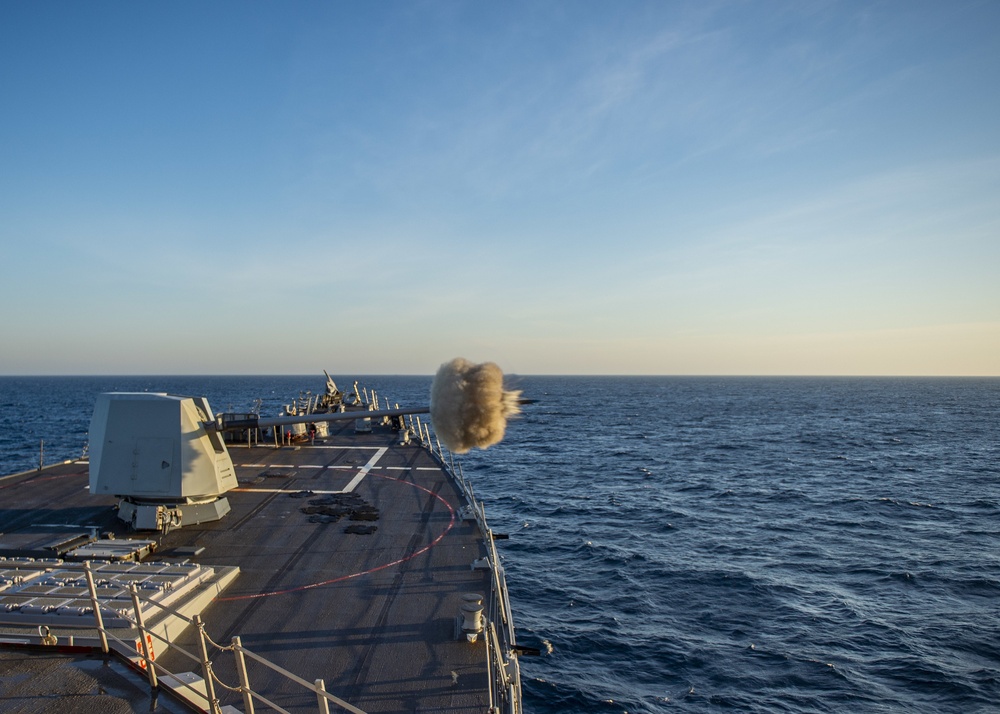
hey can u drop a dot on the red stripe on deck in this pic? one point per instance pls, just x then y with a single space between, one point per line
377 568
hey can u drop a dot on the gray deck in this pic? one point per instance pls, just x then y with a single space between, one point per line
371 614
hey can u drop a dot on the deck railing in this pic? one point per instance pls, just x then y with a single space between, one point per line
154 670
503 668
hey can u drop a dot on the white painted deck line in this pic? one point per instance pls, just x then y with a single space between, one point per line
365 469
355 448
352 484
247 489
295 466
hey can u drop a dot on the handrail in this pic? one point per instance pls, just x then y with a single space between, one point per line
318 686
146 657
503 676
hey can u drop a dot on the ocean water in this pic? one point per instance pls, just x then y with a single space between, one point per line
706 544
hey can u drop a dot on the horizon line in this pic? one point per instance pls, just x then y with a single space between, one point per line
518 374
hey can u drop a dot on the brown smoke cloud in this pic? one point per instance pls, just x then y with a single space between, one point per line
469 406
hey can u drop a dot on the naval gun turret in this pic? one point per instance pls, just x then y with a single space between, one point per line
153 451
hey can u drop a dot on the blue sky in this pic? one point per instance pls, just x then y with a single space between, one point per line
561 187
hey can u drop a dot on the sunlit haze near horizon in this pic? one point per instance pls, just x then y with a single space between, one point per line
747 188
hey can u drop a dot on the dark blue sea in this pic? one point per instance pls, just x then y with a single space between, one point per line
706 544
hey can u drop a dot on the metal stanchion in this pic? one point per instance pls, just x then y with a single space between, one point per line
96 605
206 666
147 655
241 667
324 706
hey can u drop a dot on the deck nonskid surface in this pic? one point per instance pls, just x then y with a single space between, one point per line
373 615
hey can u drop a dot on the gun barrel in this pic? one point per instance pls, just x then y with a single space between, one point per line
232 422
252 421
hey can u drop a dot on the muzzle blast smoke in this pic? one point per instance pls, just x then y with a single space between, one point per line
469 406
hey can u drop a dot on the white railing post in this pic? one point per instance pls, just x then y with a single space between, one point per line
150 669
489 666
324 706
241 667
96 605
206 666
